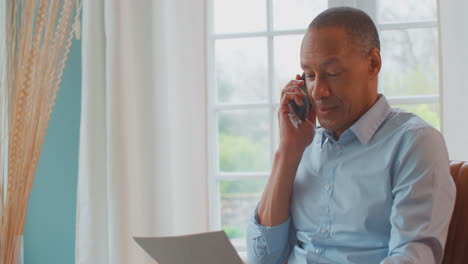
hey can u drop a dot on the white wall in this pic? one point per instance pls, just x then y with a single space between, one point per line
454 77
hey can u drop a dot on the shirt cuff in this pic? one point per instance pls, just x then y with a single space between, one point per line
273 239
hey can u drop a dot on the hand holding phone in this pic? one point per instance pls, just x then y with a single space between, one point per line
299 113
296 126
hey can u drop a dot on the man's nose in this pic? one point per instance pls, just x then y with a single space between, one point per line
320 89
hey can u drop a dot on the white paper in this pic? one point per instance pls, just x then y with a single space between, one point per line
204 248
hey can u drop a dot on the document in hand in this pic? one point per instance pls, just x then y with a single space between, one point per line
204 248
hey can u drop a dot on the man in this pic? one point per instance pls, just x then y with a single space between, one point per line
372 185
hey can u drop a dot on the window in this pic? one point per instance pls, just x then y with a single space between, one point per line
410 54
253 51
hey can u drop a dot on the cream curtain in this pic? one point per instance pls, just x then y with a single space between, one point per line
142 168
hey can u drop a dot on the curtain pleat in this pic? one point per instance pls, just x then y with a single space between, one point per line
142 168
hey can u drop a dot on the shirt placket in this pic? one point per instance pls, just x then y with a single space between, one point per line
334 150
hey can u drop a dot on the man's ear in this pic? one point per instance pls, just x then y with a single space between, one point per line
375 63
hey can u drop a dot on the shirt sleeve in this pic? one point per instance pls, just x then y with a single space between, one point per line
268 245
423 199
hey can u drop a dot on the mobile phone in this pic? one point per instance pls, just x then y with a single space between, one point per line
301 111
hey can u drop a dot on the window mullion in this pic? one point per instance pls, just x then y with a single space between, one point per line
368 6
420 99
213 192
335 3
407 25
241 176
271 72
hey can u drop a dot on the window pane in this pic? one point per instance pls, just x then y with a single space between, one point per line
239 16
428 112
296 14
410 62
241 70
406 10
276 129
287 62
244 137
238 200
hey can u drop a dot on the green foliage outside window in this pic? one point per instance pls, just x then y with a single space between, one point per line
240 153
234 231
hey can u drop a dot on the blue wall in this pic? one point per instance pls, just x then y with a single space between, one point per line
49 235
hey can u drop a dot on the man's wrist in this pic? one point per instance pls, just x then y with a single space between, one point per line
288 154
288 149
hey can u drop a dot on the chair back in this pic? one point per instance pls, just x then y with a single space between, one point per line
456 248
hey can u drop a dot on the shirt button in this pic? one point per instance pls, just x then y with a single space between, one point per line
328 187
338 147
318 251
323 230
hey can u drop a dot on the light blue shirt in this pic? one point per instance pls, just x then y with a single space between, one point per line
382 193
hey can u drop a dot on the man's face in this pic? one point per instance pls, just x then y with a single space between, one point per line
340 79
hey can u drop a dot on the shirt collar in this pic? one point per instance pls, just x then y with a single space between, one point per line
367 124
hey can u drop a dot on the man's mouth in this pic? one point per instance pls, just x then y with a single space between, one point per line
326 109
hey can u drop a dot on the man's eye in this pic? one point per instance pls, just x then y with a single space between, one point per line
310 76
333 74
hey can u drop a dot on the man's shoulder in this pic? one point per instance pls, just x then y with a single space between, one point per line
401 123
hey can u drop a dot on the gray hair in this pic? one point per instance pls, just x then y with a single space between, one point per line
359 27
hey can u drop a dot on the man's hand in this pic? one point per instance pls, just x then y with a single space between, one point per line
294 139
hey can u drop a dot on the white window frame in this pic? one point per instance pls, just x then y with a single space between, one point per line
214 175
370 6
